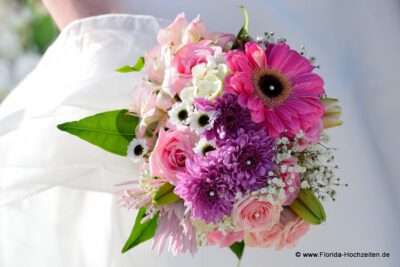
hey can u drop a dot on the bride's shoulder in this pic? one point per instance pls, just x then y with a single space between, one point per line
138 24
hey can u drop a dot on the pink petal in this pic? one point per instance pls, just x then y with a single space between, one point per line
274 122
257 116
173 33
255 104
239 83
295 65
299 106
242 100
308 78
278 55
256 54
237 61
308 89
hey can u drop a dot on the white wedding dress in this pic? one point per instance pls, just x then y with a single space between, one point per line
56 201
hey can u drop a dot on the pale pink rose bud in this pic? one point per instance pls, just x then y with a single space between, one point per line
267 238
293 229
224 240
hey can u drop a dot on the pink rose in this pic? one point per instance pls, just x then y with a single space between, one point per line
266 238
180 72
171 151
293 228
218 238
252 214
291 179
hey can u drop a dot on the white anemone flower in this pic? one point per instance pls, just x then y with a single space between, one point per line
137 149
180 113
201 121
203 146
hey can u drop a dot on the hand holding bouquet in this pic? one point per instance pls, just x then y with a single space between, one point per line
228 133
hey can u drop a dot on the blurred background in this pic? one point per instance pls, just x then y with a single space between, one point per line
26 30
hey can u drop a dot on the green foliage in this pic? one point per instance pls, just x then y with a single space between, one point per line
308 207
165 195
111 131
141 232
243 36
138 66
238 249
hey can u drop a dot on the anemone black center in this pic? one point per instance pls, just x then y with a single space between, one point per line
138 150
204 120
183 115
270 86
207 148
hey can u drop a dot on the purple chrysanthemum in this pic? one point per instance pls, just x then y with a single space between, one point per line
230 116
206 189
250 156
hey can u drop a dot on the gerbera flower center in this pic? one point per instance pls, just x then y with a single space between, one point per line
182 115
138 150
271 86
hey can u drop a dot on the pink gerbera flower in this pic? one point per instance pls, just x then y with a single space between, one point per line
278 87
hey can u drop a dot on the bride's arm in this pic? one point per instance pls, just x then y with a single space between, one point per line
65 11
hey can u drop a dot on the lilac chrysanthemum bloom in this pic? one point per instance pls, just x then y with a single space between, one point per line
174 227
206 189
229 116
250 156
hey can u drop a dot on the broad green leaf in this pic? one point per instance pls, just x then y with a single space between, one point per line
112 130
308 207
141 232
243 35
238 249
138 66
165 195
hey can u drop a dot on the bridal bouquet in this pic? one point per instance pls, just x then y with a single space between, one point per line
229 135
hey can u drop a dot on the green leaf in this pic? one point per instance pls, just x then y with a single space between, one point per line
141 232
308 207
43 32
243 35
111 131
165 195
138 66
238 248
